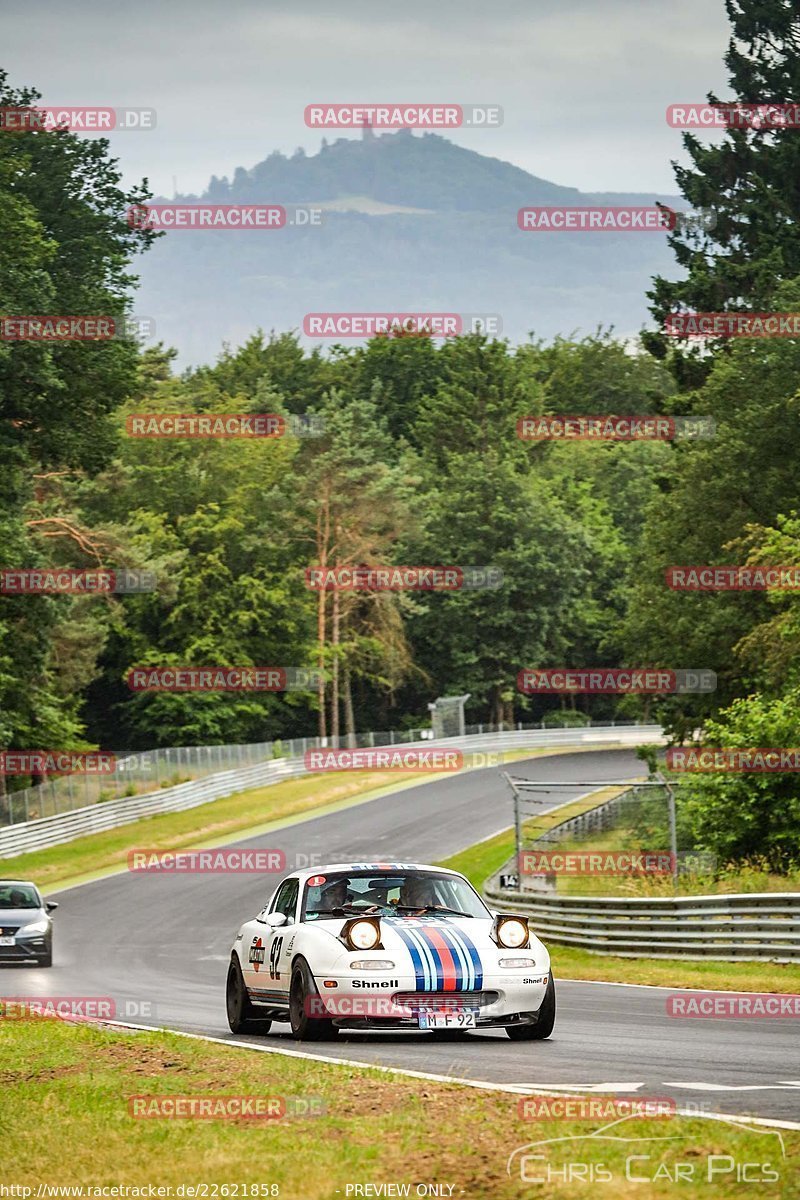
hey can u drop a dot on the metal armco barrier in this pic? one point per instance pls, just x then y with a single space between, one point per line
761 925
94 818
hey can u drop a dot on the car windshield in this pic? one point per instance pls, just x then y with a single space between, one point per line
18 895
390 893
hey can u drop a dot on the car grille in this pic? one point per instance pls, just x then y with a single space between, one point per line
8 930
422 1001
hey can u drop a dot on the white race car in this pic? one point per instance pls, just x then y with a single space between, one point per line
387 946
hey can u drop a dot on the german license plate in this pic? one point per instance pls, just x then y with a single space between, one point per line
6 941
464 1018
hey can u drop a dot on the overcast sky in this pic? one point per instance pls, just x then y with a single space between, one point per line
583 84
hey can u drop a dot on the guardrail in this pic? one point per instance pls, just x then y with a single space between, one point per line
737 927
745 927
139 772
94 818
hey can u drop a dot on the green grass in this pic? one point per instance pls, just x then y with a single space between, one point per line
571 962
67 1090
732 879
480 861
209 824
245 813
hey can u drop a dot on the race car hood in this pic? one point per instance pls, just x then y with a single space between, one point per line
440 953
446 952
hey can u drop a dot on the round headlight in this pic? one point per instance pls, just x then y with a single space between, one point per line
512 933
363 935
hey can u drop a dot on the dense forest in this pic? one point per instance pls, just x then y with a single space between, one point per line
413 458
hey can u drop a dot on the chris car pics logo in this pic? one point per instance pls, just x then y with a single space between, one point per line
633 1151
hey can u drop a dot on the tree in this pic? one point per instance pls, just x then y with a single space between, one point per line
65 217
738 815
65 249
488 506
748 180
711 492
353 504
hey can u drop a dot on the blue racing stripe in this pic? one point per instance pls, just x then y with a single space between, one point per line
475 958
426 953
416 958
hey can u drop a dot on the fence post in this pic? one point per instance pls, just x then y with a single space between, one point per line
673 831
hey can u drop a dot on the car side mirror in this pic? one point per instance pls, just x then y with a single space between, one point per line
276 919
51 905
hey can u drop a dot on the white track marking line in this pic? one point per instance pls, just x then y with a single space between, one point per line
515 1089
732 1087
594 1087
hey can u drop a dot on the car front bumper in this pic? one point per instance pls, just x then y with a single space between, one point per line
25 950
502 1000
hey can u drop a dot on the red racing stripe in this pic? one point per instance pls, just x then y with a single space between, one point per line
436 939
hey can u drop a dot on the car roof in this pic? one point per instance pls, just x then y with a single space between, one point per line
378 868
24 882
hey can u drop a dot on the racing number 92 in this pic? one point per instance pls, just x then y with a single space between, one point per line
274 956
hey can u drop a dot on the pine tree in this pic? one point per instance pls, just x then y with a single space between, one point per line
750 180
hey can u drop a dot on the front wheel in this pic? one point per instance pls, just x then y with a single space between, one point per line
544 1023
241 1014
303 999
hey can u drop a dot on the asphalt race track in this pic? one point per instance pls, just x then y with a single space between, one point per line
159 945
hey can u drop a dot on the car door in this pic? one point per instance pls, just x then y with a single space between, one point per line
269 952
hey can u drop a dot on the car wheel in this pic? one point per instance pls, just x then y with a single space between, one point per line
241 1014
302 992
545 1022
47 958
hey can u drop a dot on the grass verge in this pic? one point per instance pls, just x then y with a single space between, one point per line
249 813
67 1090
214 823
480 861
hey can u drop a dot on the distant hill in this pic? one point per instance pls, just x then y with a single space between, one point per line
410 223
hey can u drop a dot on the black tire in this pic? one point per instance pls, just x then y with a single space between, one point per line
241 1014
302 989
47 958
545 1020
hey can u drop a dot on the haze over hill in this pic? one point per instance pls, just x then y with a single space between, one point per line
410 222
